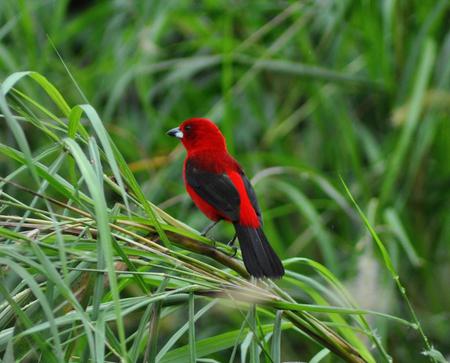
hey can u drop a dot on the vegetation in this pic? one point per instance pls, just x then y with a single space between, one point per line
338 109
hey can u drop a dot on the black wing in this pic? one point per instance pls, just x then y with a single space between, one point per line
216 189
252 196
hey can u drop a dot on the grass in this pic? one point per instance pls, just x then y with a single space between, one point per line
339 109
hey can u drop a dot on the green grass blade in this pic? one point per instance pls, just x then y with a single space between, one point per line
96 191
191 306
390 267
276 338
208 346
396 162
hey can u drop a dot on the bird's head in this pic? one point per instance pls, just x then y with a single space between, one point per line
199 134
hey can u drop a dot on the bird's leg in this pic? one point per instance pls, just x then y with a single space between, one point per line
231 244
209 227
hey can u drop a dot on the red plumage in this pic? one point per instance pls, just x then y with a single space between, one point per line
218 186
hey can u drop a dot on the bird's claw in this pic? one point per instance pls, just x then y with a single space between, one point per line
231 244
231 241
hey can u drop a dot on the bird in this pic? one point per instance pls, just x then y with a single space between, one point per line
219 187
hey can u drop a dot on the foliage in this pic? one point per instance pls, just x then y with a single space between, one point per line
338 108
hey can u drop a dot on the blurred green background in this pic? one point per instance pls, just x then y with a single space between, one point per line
305 92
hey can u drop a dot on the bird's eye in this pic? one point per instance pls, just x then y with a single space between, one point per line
188 127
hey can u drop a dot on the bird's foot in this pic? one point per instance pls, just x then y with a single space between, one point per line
231 244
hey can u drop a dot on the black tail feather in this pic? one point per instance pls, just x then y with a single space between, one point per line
260 259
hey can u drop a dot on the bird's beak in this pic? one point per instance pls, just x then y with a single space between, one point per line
175 132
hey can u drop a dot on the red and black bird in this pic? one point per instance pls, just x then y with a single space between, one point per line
218 186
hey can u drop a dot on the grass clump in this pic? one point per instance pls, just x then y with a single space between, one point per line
99 254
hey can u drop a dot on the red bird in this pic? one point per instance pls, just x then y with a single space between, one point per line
218 186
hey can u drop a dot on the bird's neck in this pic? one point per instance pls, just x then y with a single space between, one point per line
207 151
213 160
